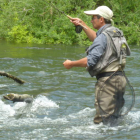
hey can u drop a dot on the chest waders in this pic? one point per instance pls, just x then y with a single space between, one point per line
115 95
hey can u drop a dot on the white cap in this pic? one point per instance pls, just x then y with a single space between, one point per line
103 11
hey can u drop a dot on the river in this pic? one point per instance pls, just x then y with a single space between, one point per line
63 105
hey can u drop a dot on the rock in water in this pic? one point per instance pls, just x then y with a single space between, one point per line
19 98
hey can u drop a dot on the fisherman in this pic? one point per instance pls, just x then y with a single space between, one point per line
104 62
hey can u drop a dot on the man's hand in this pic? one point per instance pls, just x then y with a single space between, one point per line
90 33
68 64
76 21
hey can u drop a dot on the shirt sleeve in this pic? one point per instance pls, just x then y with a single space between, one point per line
96 50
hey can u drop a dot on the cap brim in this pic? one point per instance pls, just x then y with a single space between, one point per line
91 12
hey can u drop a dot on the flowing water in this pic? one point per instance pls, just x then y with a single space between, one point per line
63 105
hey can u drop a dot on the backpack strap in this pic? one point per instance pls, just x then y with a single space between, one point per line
119 41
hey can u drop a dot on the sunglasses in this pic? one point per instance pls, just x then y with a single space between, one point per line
92 18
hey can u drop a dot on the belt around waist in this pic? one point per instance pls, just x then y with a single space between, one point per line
107 74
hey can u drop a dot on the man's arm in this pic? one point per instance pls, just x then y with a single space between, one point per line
68 64
97 49
89 32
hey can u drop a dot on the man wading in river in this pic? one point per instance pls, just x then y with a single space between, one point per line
105 60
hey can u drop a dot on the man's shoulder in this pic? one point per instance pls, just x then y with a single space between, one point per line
100 38
113 31
111 28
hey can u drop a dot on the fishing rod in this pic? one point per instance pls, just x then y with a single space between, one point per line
78 28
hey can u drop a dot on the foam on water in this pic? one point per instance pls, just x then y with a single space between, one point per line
5 110
3 85
42 101
79 124
89 130
39 105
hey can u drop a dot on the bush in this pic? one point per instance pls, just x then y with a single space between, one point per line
34 21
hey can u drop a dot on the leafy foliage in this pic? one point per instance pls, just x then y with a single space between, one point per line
34 21
126 17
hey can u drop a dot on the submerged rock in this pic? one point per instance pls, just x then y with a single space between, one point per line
19 98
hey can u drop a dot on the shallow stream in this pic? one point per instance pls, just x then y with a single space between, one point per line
63 106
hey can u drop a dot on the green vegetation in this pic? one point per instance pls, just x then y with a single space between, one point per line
37 21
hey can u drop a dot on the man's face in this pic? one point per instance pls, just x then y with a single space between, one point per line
97 23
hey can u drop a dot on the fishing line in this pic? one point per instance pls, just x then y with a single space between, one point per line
78 28
66 16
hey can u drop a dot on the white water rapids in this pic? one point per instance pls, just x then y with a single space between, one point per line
34 121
